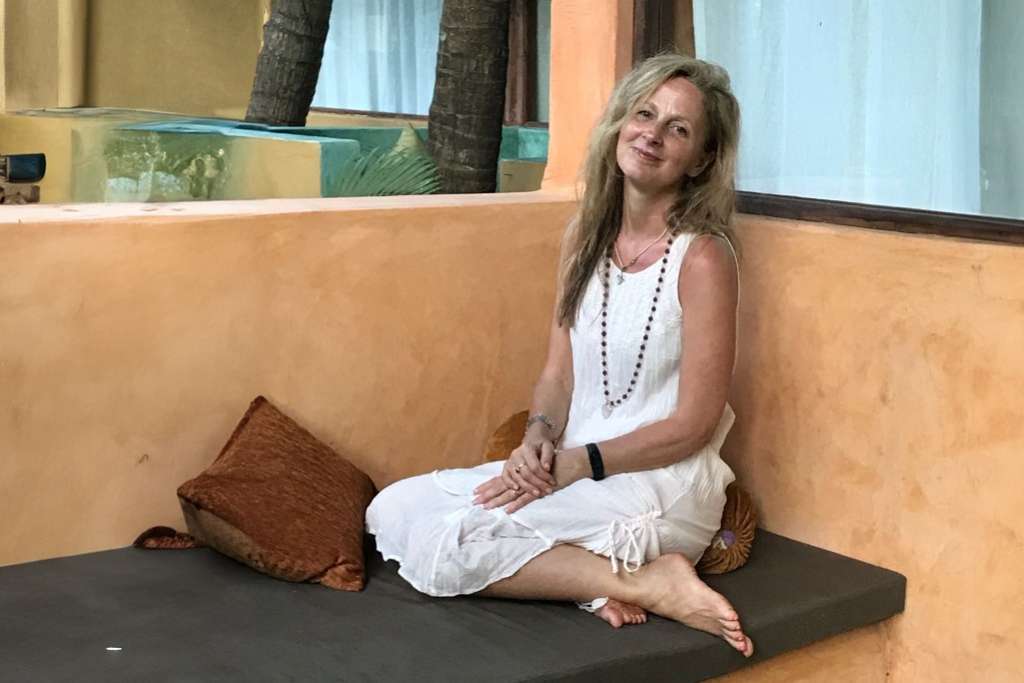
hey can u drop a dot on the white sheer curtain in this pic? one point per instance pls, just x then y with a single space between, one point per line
873 101
380 56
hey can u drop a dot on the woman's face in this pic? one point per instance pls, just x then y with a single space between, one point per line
662 139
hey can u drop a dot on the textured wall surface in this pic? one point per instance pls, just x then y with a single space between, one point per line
189 56
129 349
590 49
876 384
854 657
185 56
31 71
879 415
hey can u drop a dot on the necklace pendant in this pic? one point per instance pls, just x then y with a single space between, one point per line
606 409
620 278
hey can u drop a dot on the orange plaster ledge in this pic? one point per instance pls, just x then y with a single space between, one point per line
65 213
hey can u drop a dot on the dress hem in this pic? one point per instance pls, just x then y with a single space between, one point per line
418 585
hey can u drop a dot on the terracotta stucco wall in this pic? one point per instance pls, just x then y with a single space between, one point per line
130 349
582 77
875 388
879 404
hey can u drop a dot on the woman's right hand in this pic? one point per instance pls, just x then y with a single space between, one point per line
529 467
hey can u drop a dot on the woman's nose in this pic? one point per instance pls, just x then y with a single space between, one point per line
652 136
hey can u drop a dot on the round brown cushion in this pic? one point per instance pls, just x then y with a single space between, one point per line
730 547
506 438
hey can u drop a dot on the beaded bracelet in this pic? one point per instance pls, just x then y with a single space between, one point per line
540 417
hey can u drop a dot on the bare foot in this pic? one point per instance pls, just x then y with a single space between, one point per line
619 613
679 594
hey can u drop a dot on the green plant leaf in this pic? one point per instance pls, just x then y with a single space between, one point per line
384 172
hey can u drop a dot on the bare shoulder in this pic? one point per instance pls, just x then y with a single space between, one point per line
708 265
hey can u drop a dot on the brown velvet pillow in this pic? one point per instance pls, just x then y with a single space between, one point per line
282 502
729 548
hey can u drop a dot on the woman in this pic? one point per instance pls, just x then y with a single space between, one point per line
638 422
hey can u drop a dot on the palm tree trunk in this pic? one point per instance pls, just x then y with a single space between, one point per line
464 127
289 62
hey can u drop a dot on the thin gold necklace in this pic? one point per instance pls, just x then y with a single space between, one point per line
626 266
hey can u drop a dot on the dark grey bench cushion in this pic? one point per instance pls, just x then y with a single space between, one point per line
193 615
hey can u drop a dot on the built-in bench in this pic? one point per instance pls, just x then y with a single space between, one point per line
198 616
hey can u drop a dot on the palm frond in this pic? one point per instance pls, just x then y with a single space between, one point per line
384 172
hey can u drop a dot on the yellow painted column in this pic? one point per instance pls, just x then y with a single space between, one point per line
591 48
30 53
42 53
71 46
3 57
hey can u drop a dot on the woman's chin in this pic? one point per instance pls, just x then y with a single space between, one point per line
646 184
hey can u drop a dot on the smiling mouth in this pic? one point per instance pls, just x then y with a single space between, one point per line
646 156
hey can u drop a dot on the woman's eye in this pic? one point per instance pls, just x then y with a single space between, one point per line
680 130
643 114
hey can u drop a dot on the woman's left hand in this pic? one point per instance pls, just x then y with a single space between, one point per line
495 492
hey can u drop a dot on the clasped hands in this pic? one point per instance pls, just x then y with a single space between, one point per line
533 470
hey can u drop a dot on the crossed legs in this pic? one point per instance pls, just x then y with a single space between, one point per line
668 587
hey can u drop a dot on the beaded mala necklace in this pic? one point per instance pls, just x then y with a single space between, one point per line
611 404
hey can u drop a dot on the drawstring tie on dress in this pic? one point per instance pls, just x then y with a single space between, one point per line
632 533
635 533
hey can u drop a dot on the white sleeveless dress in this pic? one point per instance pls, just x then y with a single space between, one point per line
447 546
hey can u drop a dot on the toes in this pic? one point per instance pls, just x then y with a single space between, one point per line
742 643
737 640
631 615
614 617
730 625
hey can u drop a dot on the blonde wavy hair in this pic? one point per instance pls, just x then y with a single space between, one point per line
704 205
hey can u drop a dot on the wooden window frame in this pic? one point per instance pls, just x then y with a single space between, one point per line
657 24
522 25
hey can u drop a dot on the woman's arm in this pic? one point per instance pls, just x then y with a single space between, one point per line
708 292
528 467
553 391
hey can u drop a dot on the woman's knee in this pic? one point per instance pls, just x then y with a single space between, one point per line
397 501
